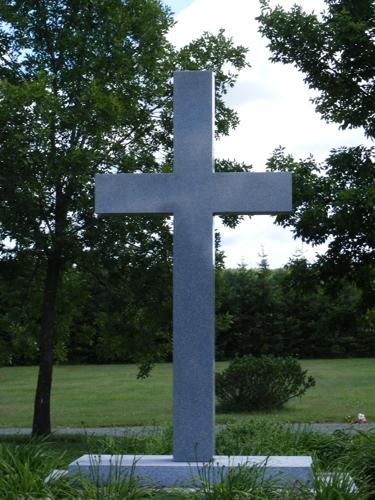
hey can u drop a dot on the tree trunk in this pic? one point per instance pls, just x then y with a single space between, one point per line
42 413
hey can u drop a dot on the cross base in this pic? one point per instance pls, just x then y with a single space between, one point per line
163 471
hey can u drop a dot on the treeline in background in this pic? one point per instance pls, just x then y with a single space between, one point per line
121 311
295 311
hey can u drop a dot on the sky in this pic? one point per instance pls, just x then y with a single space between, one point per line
274 108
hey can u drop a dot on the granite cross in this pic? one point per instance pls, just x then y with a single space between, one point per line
193 193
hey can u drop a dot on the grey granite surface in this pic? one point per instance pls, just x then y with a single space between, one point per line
193 193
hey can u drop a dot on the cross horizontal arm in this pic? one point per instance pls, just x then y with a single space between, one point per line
134 194
251 193
215 193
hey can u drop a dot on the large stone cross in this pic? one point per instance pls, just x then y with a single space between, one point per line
193 193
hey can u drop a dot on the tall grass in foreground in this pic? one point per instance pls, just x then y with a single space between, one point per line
23 469
24 466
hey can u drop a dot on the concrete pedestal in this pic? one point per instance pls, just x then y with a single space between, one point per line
162 470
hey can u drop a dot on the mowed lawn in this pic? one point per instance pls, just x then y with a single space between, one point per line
111 395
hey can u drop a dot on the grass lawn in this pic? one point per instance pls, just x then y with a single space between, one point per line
111 395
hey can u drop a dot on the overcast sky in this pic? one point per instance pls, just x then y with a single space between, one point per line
274 109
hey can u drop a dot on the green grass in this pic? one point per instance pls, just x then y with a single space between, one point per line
111 395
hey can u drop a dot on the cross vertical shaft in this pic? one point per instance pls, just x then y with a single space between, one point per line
193 193
193 275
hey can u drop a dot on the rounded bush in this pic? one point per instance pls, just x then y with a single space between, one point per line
261 383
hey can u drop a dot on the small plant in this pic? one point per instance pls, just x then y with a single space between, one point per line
118 484
336 485
360 459
261 383
240 483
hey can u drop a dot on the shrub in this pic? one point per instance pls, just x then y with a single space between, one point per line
261 383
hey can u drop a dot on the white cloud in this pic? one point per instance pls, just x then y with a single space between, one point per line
243 244
274 108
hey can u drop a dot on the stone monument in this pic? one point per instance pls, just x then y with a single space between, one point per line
193 194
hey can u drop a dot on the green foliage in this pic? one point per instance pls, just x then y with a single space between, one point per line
292 311
336 486
335 52
155 442
266 437
345 456
361 459
23 469
249 301
86 88
20 310
24 465
240 483
333 201
258 383
92 83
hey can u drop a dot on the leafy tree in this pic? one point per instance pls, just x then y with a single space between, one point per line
86 88
333 201
334 51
